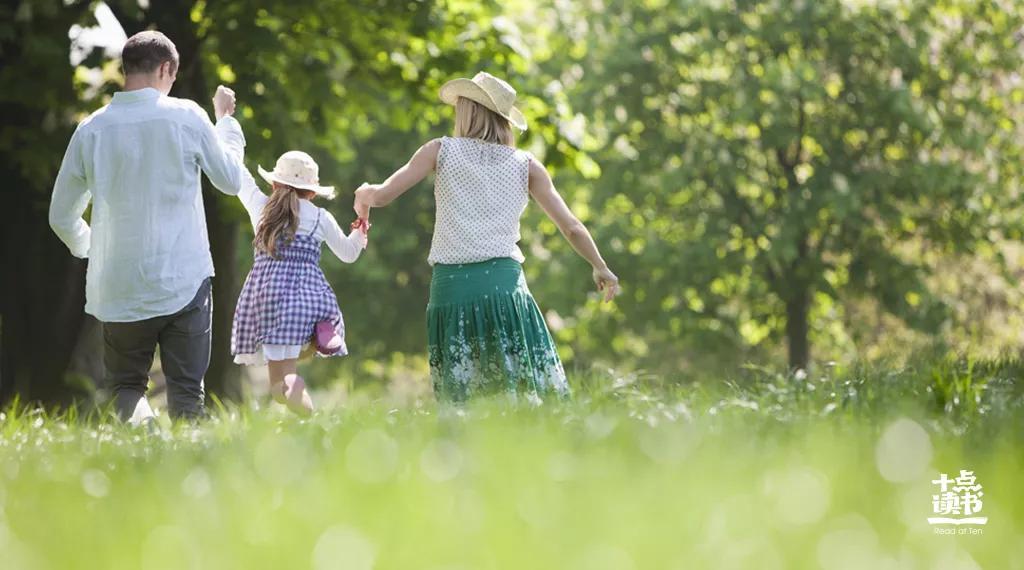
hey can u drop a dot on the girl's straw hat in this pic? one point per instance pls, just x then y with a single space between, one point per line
298 170
489 91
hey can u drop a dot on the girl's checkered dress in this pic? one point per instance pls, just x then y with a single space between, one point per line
284 298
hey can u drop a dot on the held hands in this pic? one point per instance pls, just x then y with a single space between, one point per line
607 283
223 102
364 200
361 229
362 207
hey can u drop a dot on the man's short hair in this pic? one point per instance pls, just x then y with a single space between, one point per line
146 51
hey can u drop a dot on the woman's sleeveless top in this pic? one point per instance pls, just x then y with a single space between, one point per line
481 189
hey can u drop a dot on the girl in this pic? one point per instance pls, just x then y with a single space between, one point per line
286 297
485 334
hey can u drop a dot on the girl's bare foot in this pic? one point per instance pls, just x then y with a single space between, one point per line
297 396
277 392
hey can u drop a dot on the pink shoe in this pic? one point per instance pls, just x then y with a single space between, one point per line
328 341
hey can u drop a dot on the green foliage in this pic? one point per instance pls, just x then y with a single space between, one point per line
766 159
39 99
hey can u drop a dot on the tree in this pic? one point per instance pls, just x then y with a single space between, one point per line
42 287
788 156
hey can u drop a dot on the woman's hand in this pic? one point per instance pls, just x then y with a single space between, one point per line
607 283
543 191
364 199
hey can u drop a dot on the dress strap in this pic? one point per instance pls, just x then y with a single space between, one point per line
317 224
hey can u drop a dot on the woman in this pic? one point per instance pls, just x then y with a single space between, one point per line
485 332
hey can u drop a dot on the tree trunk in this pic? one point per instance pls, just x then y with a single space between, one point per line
42 289
41 300
223 379
797 306
86 370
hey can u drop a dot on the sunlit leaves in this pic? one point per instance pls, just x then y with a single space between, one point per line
819 130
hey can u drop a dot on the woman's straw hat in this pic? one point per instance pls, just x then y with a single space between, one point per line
298 170
489 91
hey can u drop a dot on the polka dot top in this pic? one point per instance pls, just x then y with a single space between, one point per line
481 190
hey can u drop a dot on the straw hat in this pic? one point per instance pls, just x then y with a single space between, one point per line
298 170
489 91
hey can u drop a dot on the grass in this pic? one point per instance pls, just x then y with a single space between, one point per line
767 470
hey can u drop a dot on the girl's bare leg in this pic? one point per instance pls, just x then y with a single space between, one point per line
288 388
277 370
298 397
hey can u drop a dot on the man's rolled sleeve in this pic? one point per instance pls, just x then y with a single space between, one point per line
221 151
231 136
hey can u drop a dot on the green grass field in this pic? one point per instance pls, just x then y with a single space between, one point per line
766 471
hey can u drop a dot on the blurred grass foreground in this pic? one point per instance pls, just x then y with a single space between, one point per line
766 471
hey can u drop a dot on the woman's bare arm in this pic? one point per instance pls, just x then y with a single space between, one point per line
377 195
543 191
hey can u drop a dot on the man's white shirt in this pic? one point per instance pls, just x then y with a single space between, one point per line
138 160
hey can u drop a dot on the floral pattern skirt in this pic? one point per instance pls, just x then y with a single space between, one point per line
486 335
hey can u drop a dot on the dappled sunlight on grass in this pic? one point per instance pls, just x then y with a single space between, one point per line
768 471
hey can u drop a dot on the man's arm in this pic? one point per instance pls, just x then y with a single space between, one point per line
222 148
70 199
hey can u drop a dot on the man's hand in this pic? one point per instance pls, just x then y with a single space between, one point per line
223 102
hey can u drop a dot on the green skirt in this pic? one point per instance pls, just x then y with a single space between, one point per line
486 336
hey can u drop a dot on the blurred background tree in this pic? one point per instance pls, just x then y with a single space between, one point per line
765 165
761 174
41 288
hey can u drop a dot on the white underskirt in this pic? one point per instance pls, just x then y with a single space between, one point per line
271 352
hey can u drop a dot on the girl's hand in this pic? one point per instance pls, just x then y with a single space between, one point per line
361 230
307 352
607 283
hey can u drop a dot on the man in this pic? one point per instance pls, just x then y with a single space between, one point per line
138 160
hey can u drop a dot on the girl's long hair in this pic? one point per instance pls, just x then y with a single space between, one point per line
473 120
280 219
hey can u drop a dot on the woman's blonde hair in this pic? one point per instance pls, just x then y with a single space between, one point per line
280 218
473 120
